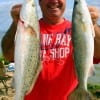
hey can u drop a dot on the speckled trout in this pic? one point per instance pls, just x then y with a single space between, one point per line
83 43
27 50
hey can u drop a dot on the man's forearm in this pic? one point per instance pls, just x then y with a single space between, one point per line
97 42
8 43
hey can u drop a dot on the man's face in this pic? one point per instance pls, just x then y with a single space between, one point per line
52 8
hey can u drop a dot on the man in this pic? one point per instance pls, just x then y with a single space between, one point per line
57 78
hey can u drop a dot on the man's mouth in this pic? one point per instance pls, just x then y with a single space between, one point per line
53 6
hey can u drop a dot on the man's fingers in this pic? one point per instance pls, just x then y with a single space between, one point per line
15 11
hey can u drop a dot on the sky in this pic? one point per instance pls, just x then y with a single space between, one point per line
5 17
6 5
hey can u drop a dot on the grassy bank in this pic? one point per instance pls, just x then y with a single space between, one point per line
3 60
95 90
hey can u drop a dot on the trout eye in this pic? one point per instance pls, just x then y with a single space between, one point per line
76 2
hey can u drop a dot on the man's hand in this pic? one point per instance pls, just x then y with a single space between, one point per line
15 12
94 14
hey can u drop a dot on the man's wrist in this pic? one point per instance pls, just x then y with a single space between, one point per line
97 32
98 21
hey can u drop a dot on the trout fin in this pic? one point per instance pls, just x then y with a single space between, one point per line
93 33
83 25
15 37
91 71
80 94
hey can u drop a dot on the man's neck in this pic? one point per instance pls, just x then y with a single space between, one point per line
53 22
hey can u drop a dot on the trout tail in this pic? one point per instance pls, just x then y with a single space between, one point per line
19 97
80 94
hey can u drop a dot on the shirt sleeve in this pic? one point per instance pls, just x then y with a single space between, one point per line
96 61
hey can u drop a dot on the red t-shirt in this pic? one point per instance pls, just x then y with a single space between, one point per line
57 78
96 61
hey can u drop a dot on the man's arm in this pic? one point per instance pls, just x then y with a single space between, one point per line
97 42
95 15
7 42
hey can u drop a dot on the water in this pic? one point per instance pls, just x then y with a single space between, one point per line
95 80
6 20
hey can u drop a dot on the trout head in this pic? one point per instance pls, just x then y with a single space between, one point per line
27 12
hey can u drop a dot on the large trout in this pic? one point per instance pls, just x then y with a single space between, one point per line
83 43
27 50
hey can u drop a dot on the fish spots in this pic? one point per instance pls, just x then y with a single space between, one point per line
31 66
83 44
27 50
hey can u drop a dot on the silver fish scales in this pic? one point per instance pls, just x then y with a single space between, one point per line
27 50
83 43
